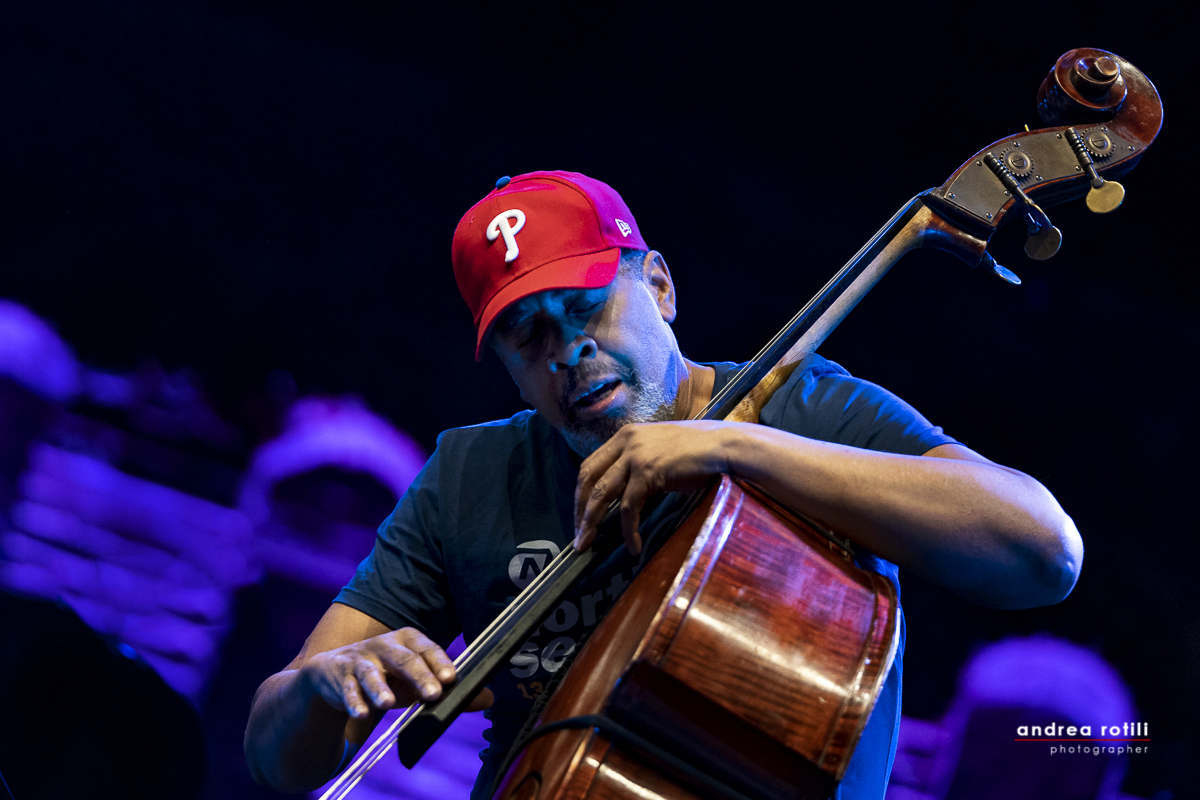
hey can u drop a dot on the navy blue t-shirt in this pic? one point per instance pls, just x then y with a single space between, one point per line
494 504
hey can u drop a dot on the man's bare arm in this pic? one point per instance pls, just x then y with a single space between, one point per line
989 533
350 671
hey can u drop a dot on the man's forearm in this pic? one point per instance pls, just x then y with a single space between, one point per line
295 741
989 533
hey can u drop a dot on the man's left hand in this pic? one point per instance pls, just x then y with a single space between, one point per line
641 460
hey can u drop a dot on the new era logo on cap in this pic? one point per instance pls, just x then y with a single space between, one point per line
571 227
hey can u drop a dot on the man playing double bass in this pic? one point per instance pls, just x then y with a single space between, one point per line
565 291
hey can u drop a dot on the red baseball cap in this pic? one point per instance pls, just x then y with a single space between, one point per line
539 231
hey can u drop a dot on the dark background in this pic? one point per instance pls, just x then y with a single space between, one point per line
246 187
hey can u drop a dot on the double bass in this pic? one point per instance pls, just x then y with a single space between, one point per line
744 660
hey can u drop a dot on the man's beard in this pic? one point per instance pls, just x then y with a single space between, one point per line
648 403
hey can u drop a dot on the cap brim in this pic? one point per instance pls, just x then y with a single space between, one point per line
588 271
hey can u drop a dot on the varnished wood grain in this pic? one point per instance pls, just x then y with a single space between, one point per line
770 624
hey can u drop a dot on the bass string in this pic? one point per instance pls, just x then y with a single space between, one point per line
481 643
370 756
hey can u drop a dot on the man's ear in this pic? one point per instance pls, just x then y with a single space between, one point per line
657 278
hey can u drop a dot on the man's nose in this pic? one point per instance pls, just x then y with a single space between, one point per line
571 352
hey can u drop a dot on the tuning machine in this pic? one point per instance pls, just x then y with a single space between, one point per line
1104 196
1043 239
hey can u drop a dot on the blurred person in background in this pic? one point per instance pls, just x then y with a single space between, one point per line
1019 683
315 494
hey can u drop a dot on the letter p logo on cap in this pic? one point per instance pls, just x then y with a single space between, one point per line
500 226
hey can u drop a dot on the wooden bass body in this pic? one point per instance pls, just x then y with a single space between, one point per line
750 652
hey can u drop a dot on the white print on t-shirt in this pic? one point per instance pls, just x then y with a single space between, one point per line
530 559
568 621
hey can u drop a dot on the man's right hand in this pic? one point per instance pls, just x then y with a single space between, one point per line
357 668
395 668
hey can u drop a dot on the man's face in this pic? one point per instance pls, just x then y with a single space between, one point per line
593 360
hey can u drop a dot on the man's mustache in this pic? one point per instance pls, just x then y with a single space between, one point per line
584 374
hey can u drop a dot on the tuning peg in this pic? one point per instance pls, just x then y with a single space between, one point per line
1043 238
1104 196
1003 273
